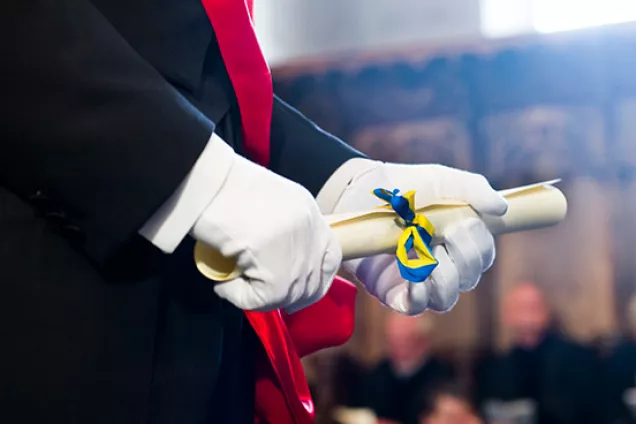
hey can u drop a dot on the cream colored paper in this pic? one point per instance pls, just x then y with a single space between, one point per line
377 231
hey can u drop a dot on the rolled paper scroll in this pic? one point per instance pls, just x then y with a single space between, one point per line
376 231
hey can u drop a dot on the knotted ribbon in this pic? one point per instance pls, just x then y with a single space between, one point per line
417 236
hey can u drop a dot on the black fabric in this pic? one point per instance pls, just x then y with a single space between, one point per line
529 365
303 152
619 375
106 105
400 398
348 374
149 343
561 377
88 122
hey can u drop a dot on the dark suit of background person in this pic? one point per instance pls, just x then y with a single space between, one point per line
395 388
619 382
104 113
619 375
561 377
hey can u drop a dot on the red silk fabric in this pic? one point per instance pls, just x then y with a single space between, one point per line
248 71
282 394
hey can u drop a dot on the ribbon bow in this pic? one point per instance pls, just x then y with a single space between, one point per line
417 236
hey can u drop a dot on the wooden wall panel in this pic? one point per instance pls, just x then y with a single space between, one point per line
444 140
519 111
571 262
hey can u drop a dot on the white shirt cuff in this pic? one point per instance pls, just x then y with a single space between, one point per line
172 222
333 189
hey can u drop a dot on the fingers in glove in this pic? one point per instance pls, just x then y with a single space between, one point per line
471 247
418 298
254 290
398 294
318 287
473 189
248 295
443 282
439 292
369 270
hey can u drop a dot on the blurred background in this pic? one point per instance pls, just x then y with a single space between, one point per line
521 91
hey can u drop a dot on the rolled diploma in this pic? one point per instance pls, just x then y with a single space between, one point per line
377 231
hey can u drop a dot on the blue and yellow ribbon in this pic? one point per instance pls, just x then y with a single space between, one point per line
417 236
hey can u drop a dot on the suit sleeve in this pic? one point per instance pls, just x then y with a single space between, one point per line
303 152
90 130
167 228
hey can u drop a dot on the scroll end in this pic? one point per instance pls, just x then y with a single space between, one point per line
213 265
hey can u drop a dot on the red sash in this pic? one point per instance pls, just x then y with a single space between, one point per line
282 394
248 71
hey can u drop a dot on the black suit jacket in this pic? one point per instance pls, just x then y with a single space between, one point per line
560 376
619 376
401 398
106 105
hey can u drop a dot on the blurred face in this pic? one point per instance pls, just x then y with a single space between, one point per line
406 341
450 410
526 316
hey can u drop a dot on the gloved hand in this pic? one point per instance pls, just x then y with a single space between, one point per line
468 248
287 252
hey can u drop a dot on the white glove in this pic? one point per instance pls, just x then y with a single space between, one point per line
287 252
468 249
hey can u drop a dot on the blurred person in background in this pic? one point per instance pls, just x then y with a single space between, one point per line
619 375
448 404
557 378
394 389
